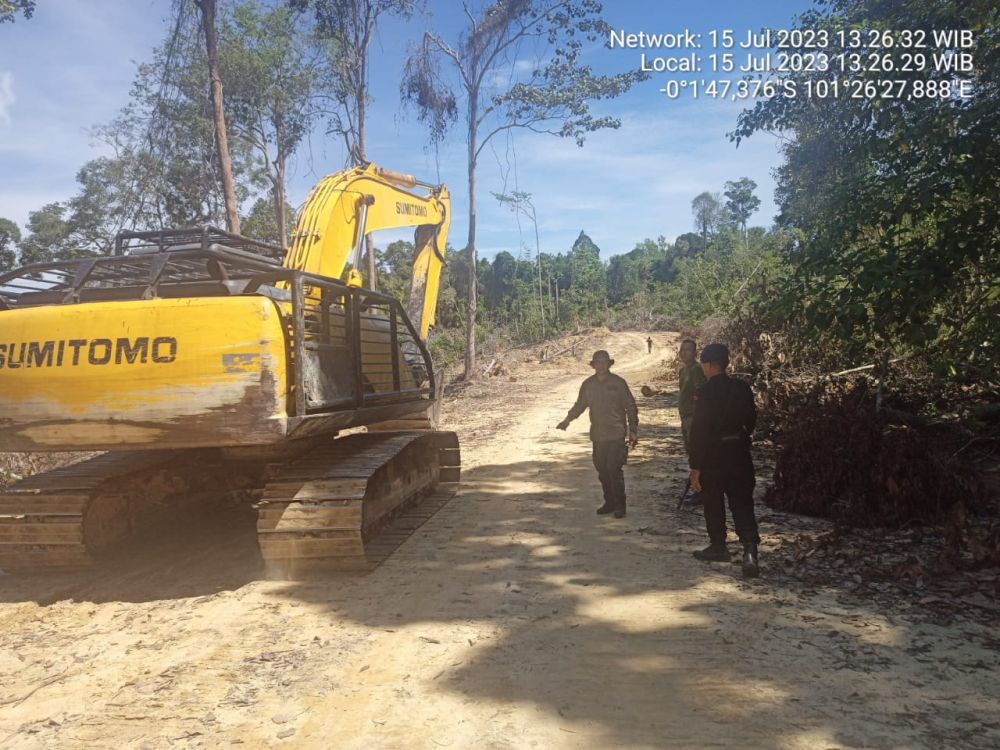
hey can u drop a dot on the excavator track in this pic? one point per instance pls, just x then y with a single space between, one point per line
324 502
324 511
66 516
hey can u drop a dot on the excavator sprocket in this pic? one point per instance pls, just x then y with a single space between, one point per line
324 510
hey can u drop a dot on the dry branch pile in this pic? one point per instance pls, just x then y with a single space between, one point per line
841 460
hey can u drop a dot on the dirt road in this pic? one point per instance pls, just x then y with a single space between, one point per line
514 618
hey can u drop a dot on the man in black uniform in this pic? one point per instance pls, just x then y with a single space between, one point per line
611 405
724 418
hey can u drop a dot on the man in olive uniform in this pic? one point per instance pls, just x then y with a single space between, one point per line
724 418
612 406
690 380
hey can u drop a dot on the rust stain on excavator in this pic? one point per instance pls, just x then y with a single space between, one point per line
252 414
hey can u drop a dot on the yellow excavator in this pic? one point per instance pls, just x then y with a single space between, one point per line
202 365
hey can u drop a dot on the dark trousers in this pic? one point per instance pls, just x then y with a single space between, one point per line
733 479
609 457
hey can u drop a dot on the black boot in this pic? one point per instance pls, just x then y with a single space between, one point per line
713 553
751 566
605 509
620 511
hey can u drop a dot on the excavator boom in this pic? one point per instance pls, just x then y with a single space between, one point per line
344 207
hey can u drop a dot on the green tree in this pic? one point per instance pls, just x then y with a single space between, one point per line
10 235
163 169
275 73
520 203
649 264
895 201
723 279
706 209
348 28
741 201
9 9
261 224
48 235
689 244
586 299
395 269
554 96
95 211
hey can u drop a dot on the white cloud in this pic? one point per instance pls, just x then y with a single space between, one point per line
7 97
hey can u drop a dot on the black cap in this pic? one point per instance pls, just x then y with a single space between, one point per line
715 353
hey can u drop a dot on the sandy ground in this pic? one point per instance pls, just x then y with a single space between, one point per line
514 618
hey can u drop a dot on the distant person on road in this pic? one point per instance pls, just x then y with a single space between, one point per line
690 379
614 418
721 465
649 345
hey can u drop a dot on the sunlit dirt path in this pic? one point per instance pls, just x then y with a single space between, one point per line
514 618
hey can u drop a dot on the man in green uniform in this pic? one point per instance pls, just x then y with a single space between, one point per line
721 465
612 407
690 380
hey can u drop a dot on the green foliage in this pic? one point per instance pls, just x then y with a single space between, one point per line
10 8
260 223
689 244
585 300
895 201
48 234
650 264
10 235
741 201
727 277
395 269
276 73
707 211
165 170
554 97
477 72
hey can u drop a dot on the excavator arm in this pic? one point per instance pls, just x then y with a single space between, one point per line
344 207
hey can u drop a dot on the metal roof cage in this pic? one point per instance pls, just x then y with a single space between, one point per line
203 238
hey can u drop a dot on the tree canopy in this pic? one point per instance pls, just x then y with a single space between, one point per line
894 201
10 8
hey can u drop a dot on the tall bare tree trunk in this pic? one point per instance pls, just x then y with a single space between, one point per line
538 261
370 253
360 94
222 139
361 157
470 321
280 160
279 207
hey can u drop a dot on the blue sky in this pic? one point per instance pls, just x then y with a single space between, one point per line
70 68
